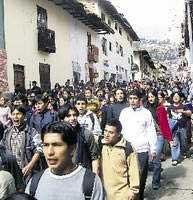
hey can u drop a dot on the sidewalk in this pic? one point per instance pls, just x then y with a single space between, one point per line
177 182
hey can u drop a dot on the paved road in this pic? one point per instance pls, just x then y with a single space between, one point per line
177 182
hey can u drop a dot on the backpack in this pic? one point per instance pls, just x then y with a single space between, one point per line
91 115
87 185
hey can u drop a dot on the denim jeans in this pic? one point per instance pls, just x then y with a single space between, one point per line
157 162
180 144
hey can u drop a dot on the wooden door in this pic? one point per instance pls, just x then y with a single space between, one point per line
19 76
44 70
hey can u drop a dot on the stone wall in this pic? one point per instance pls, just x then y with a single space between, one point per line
3 71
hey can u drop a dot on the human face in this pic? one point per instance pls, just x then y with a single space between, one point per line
71 118
2 101
151 98
119 95
134 101
176 98
17 118
65 94
99 93
111 136
17 102
160 99
57 153
81 106
88 94
61 102
112 99
40 106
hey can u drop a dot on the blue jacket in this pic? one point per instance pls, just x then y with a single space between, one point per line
39 120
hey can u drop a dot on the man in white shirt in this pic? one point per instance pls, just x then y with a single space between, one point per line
138 128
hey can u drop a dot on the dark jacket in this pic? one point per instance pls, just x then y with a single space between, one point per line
8 162
39 120
87 150
115 109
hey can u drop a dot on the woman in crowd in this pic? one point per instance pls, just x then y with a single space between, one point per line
159 114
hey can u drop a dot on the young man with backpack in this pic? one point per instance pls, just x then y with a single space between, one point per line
86 117
87 151
119 164
63 180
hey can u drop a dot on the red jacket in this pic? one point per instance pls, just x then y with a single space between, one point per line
163 122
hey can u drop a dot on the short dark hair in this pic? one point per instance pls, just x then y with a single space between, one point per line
40 97
88 88
136 93
20 108
20 196
67 132
115 123
64 111
80 98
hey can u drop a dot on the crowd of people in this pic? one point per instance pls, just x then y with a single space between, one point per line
92 141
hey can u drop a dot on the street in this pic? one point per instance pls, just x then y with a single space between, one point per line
177 182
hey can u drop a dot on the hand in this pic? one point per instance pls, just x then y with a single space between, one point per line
131 195
153 156
27 170
180 111
171 143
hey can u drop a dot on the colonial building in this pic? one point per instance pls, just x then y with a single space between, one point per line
142 64
53 40
187 34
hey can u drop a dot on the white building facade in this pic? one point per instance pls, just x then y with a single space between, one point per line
52 41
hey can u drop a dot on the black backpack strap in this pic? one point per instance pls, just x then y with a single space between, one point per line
88 184
34 182
129 149
91 115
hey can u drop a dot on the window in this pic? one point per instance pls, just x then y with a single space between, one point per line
104 46
131 43
131 59
103 17
110 46
116 26
120 30
41 18
121 50
117 68
88 39
109 22
44 71
117 47
128 38
19 76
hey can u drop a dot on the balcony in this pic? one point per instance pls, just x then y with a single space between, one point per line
46 40
134 68
93 54
78 11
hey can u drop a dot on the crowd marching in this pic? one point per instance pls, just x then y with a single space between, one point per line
92 141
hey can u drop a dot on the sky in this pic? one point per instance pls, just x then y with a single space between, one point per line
155 19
